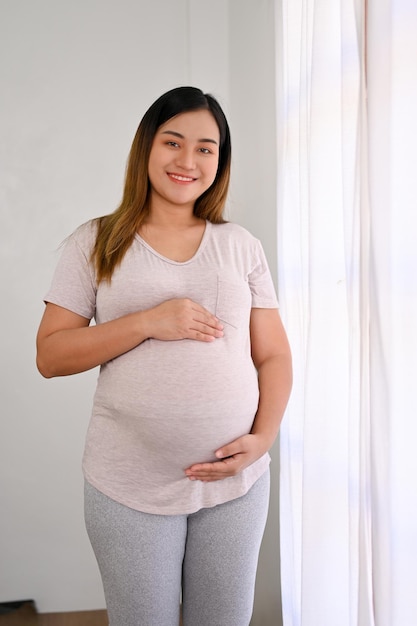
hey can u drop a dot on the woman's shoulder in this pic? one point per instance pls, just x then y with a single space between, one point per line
231 229
85 235
235 233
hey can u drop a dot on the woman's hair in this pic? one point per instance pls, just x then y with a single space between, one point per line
116 231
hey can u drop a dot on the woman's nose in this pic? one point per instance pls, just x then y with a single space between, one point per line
186 158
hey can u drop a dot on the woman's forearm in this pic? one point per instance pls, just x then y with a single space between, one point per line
275 382
73 350
66 344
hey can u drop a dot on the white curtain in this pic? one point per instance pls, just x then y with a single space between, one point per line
347 274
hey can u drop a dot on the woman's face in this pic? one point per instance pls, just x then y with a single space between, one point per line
184 159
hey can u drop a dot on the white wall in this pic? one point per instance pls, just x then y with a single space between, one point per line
76 78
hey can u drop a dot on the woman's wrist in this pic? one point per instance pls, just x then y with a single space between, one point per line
266 438
143 327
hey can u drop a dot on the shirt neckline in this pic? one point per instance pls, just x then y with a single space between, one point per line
197 253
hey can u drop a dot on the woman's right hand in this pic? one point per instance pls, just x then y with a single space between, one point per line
181 318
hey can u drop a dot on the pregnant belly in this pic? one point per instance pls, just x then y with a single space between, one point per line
169 429
166 421
173 439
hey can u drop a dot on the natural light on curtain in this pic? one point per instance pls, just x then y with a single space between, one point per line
347 251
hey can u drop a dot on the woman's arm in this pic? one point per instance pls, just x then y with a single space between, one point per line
272 358
67 344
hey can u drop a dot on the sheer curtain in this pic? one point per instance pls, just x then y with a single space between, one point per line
347 274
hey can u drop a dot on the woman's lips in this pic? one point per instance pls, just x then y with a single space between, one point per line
179 178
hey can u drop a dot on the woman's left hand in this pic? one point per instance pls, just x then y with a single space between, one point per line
233 458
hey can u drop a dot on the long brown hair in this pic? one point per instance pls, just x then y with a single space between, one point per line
116 231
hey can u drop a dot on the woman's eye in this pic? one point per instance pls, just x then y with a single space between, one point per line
205 150
174 144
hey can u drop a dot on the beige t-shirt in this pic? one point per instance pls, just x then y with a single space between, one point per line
165 405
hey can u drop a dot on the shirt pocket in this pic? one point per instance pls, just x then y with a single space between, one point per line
234 300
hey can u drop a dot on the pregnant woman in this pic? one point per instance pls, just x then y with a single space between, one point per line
195 374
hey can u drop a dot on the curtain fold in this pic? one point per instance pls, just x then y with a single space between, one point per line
392 87
347 268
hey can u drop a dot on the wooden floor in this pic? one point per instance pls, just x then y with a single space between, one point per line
27 616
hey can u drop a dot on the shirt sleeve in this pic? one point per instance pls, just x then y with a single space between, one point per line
260 281
73 284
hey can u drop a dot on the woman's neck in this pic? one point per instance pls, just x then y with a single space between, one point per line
172 218
176 239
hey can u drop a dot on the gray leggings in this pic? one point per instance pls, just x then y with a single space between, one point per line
146 560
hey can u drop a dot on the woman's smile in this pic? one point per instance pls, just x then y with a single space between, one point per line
178 178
